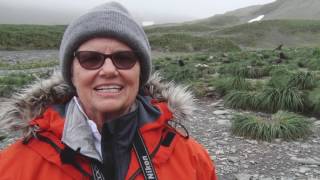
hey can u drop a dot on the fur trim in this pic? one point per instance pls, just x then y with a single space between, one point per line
31 101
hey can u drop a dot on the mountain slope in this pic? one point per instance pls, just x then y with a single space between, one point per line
280 9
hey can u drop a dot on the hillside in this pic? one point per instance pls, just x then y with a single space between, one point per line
293 23
264 34
269 34
280 9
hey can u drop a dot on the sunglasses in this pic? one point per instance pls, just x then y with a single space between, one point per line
93 60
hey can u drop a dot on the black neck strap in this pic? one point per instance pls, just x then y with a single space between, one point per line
142 155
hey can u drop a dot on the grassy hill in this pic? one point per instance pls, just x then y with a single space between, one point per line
264 34
268 34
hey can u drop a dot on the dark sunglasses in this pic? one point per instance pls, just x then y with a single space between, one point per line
93 60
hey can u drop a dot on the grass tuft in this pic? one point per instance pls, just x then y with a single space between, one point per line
285 125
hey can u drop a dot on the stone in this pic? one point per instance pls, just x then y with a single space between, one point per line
316 123
309 161
277 140
224 123
266 178
233 150
215 103
220 112
252 141
212 144
305 146
243 176
303 169
222 142
252 162
233 159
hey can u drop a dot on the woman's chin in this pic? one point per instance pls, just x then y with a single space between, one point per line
110 107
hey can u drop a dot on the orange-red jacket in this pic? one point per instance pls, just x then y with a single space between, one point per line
182 159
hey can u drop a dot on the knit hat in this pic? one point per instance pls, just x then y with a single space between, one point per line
108 20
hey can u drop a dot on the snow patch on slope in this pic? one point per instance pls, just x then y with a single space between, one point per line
259 18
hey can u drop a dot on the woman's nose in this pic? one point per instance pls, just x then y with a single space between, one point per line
108 68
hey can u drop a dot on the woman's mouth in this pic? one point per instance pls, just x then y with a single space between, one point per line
109 89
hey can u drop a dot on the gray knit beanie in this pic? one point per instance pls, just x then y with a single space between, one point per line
108 20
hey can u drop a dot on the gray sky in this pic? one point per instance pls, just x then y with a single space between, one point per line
188 9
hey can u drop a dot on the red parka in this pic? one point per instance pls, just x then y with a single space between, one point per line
37 159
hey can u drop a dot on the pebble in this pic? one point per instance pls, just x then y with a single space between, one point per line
233 159
303 169
226 123
252 141
220 112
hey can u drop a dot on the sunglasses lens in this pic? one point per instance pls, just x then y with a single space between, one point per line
124 59
89 59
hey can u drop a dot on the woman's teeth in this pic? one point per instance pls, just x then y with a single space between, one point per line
109 89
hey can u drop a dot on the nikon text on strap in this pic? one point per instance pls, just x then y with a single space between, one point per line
143 157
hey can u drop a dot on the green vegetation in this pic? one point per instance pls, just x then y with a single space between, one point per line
285 125
246 100
180 42
19 37
13 82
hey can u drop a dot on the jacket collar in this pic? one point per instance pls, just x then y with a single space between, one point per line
77 133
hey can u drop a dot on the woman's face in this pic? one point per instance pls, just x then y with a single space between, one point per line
107 92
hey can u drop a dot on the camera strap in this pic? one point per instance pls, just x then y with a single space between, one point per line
142 155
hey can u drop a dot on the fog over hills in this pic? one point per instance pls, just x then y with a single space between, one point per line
10 14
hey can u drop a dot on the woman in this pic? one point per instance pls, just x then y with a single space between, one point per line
105 118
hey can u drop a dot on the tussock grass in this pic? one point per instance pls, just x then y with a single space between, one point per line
285 98
302 80
246 100
285 125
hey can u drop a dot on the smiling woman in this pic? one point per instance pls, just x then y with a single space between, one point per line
104 116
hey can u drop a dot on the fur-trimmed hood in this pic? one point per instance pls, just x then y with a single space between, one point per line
32 101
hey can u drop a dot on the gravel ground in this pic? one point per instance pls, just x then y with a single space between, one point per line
239 158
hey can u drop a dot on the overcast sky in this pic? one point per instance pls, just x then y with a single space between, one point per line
190 9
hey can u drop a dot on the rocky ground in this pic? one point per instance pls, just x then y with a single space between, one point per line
245 159
236 158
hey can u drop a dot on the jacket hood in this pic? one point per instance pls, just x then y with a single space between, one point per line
33 100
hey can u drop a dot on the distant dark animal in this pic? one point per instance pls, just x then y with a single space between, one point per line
282 56
181 63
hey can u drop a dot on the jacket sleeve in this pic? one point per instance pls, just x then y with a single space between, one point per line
205 168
